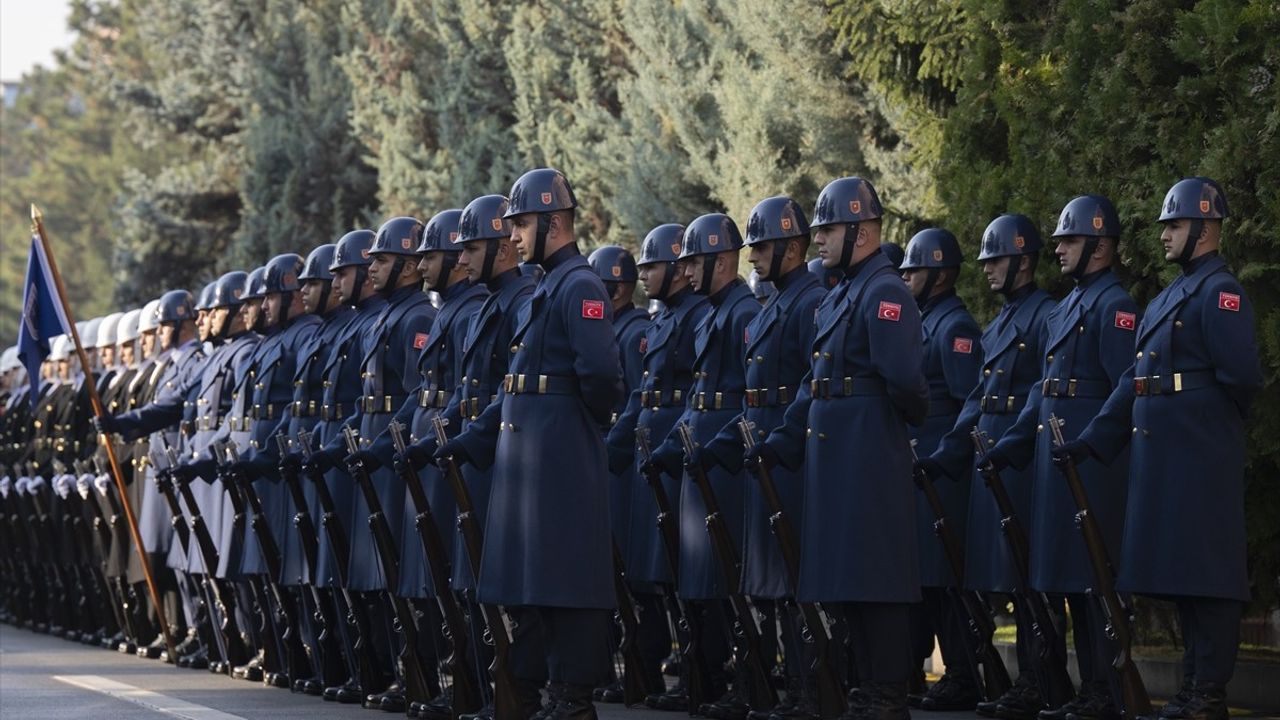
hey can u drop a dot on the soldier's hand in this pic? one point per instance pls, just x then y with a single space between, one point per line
452 450
761 455
931 468
183 473
619 461
247 470
291 463
321 462
363 458
105 424
102 484
1075 452
995 461
665 461
417 455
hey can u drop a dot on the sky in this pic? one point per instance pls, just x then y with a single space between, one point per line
30 30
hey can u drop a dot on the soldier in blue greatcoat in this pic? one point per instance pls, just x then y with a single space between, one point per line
847 427
547 537
1012 347
1181 408
1088 346
652 409
952 359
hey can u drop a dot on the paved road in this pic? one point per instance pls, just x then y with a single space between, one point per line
52 679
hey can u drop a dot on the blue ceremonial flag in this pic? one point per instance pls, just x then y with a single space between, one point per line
43 316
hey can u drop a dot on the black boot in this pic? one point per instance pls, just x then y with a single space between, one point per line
573 703
987 708
1026 705
885 701
1094 703
673 700
916 688
251 671
386 699
951 693
803 705
1208 702
152 650
611 693
1173 708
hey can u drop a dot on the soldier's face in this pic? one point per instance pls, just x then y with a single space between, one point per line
148 343
430 266
127 354
1174 238
692 269
380 270
108 354
524 229
472 258
760 256
829 239
996 269
168 334
272 304
218 321
1068 251
250 310
651 278
915 278
344 284
310 293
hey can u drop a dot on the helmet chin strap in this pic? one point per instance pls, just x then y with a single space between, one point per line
1090 247
708 273
396 269
775 261
930 280
664 289
1010 274
1193 239
490 256
448 261
322 307
846 249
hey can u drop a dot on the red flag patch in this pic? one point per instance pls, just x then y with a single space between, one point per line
420 340
1229 301
1125 320
889 311
962 345
593 309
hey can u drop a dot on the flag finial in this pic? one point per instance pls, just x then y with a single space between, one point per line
36 215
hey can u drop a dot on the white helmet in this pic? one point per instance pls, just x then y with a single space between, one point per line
9 359
127 330
150 318
107 330
89 335
60 347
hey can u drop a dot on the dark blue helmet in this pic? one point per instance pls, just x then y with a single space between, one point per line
206 296
776 218
484 219
830 277
317 264
541 190
397 236
932 248
1090 216
613 263
230 289
1010 235
662 244
710 234
846 200
1194 198
282 274
256 287
175 306
441 233
894 252
352 249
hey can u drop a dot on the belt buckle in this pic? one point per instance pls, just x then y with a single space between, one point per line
848 386
542 384
719 400
1177 382
1155 388
1071 387
1140 386
386 403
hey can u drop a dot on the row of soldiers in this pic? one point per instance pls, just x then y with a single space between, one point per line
406 473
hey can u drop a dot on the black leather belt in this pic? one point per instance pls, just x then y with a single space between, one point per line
760 397
375 404
540 384
655 399
716 400
998 404
1173 383
1073 388
823 388
434 398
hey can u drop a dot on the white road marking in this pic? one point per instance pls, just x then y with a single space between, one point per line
145 698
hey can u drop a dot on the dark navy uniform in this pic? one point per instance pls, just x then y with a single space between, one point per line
630 326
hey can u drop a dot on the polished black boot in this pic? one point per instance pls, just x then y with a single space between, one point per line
1025 705
1094 703
1173 708
374 701
801 701
152 650
251 671
916 688
573 702
885 701
673 700
987 708
611 693
951 693
348 693
1208 702
308 686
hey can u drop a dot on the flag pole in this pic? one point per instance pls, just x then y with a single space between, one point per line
37 226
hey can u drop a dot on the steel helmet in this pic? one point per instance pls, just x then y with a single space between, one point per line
281 274
352 249
1090 216
149 320
830 277
175 307
107 330
230 289
316 266
255 286
441 232
206 295
484 218
710 234
127 330
1194 198
541 190
59 347
932 248
846 200
89 333
1010 235
397 236
614 264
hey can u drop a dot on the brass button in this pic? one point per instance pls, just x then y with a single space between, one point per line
826 356
987 372
822 436
1048 358
816 354
1080 329
1040 428
759 358
1153 354
515 348
1139 353
1022 346
1177 323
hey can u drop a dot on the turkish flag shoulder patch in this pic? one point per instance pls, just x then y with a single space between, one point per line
593 309
1126 320
1229 301
962 345
420 340
889 311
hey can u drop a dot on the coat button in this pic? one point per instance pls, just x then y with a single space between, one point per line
1048 358
1022 346
1080 329
515 348
1040 428
1000 371
987 372
1139 353
1153 354
1177 323
749 359
826 356
759 358
822 436
816 354
808 432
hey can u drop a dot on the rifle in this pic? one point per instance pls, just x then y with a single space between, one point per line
164 483
1051 662
360 663
1116 612
59 593
634 687
698 684
230 638
283 649
989 671
831 697
760 690
415 679
501 629
325 656
466 687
